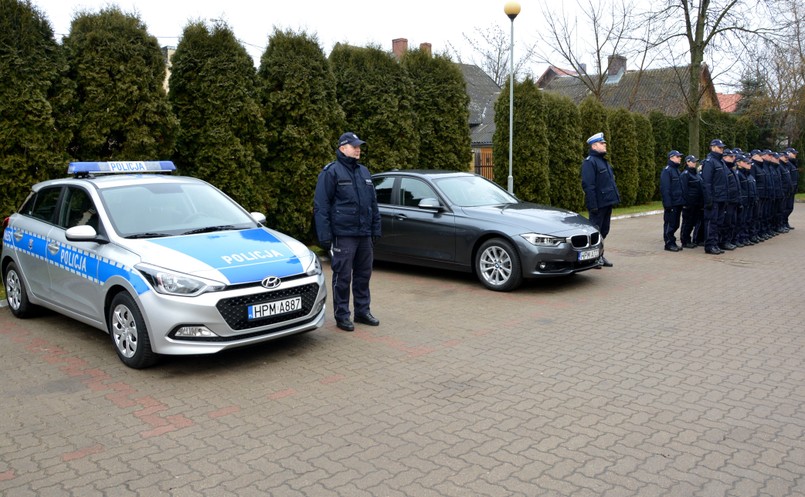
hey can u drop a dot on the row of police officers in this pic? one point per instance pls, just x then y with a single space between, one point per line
730 200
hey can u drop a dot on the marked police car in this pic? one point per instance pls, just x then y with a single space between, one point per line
165 264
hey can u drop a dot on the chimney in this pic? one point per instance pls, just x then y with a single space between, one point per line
617 63
425 47
399 46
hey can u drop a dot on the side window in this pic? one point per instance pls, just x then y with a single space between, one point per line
414 190
383 189
43 204
78 209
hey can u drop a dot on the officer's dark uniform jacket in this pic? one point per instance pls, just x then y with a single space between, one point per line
671 187
743 187
793 167
776 182
751 186
345 203
714 179
733 189
598 182
692 187
785 178
761 178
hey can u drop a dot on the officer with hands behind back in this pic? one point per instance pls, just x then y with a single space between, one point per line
598 182
347 223
673 199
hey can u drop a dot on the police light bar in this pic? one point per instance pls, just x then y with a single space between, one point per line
120 167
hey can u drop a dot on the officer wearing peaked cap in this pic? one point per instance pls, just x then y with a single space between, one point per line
714 189
600 190
673 199
692 213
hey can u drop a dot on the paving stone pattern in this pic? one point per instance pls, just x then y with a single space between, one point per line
671 374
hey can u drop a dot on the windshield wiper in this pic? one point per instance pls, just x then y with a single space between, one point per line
147 235
210 229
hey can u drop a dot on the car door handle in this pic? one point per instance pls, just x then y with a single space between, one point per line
400 217
53 247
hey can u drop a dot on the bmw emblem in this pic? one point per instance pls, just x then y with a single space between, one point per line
271 282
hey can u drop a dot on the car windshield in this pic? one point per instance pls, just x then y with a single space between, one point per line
473 191
167 209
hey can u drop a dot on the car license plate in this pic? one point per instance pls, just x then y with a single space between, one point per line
586 255
268 309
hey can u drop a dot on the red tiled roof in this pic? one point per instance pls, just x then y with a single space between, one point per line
728 101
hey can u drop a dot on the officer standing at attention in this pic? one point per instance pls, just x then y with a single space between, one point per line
733 203
673 199
761 229
692 212
714 189
347 222
598 182
793 166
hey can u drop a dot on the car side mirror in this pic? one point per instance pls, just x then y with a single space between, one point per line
430 203
84 233
259 217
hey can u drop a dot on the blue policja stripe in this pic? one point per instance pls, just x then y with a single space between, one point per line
241 256
80 262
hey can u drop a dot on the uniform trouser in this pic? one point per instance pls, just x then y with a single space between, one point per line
789 208
743 232
352 258
727 228
713 218
777 213
760 219
600 219
691 222
670 223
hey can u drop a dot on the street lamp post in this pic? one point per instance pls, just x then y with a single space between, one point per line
511 9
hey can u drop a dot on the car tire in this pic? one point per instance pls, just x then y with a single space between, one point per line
129 334
16 293
497 265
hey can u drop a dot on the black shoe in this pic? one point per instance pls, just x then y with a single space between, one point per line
789 227
605 262
345 324
367 319
690 245
727 246
713 250
754 240
739 244
672 248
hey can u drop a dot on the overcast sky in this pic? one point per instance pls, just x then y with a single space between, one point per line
357 22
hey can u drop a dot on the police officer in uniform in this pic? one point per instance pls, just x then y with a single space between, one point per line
793 166
714 189
673 199
692 213
598 182
347 222
762 182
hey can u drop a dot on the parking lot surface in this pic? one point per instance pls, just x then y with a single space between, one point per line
670 374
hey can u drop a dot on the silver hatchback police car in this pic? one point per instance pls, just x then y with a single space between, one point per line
164 264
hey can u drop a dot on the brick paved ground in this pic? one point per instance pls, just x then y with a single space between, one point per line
668 375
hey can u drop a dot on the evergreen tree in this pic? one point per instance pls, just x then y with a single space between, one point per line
646 165
530 151
593 119
222 134
662 131
441 105
377 98
303 123
32 68
622 154
565 151
121 109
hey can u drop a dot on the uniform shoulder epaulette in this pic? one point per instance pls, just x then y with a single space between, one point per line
327 166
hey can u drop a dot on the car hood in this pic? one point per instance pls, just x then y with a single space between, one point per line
526 217
231 257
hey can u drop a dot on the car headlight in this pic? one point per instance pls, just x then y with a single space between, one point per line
543 240
182 285
313 266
